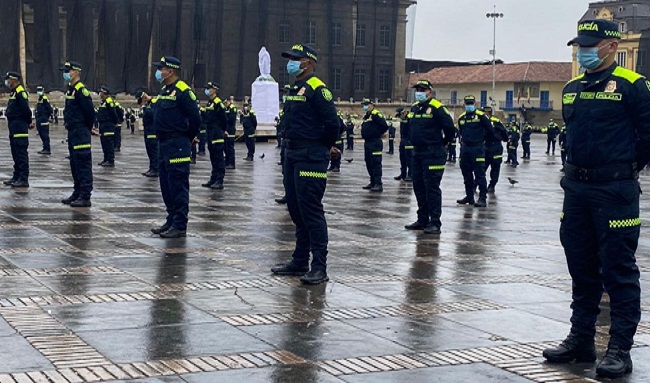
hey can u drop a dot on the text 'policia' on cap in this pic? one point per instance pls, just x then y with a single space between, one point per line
591 32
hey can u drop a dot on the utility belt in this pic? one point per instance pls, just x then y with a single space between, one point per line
424 148
607 173
301 144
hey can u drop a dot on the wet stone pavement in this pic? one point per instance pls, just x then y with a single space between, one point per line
89 295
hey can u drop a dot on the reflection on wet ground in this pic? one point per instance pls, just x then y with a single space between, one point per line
89 295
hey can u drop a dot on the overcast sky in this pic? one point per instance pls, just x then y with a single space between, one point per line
458 30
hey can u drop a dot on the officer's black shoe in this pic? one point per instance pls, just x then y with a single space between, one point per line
20 184
615 363
336 170
109 164
193 161
173 232
330 169
282 200
397 178
545 152
562 170
465 201
80 202
290 269
432 229
44 152
9 182
69 200
217 186
481 203
101 163
118 150
574 347
161 229
367 187
491 189
248 158
408 179
207 184
67 157
230 167
416 226
279 163
201 153
314 277
153 174
377 189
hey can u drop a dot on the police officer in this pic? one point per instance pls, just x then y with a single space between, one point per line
525 140
372 129
199 147
118 127
43 114
56 115
562 142
431 128
391 137
132 119
405 147
279 124
177 121
552 130
473 128
19 119
451 148
107 118
216 126
249 122
231 129
513 144
335 161
349 133
78 116
494 148
607 116
311 128
147 102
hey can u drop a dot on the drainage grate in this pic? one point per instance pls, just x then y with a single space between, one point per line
60 271
539 372
538 279
25 250
79 299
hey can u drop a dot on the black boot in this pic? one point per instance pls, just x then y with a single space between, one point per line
416 226
161 229
173 232
482 202
69 200
81 202
432 229
465 201
314 277
290 269
491 189
367 187
574 347
282 200
615 363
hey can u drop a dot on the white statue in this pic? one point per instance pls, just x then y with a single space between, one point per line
265 95
265 65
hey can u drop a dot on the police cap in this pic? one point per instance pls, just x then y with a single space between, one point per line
168 61
12 76
104 89
423 84
212 85
367 101
487 109
469 100
138 95
40 88
300 51
70 65
591 32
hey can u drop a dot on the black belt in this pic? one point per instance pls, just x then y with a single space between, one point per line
301 144
604 174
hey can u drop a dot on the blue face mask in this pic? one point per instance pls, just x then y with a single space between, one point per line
39 93
207 92
588 58
470 108
159 76
7 83
293 68
365 108
67 77
421 96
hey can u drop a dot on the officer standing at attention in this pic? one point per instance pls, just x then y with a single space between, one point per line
19 119
118 127
203 139
513 144
473 128
107 118
56 115
552 130
607 116
231 129
79 117
391 137
494 148
349 133
431 128
249 122
216 125
562 142
525 140
146 102
335 161
372 129
43 113
311 127
177 121
405 147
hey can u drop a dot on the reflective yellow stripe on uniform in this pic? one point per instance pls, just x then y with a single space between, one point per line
308 174
480 159
45 123
151 136
21 135
108 134
498 156
376 153
408 147
623 223
437 167
179 160
82 146
202 131
251 136
218 141
339 143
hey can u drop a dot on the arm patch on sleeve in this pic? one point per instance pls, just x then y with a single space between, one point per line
327 95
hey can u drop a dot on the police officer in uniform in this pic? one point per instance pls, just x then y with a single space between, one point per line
231 129
451 148
107 118
349 133
431 128
43 113
607 116
372 129
118 127
311 128
552 130
79 117
19 119
513 144
473 128
177 121
525 140
335 161
249 122
147 103
494 148
562 142
391 137
203 139
216 126
405 147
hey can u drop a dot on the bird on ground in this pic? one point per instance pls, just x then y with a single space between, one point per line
349 160
512 181
263 155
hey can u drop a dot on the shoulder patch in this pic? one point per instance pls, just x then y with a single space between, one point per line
25 96
626 74
154 100
435 103
480 113
182 86
85 92
315 83
192 96
78 85
327 95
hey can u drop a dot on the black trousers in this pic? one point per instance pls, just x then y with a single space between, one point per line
217 161
118 137
81 160
391 145
202 141
151 145
335 162
174 175
229 150
512 155
493 160
550 142
526 147
305 179
372 155
405 159
600 232
428 167
350 142
107 137
451 148
250 145
472 165
43 127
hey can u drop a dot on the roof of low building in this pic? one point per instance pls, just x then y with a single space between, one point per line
534 71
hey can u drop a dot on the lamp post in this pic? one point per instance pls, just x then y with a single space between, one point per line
494 15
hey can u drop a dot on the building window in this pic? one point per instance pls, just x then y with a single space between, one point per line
311 33
336 79
621 58
622 27
361 35
640 58
384 80
527 90
283 76
283 33
454 97
384 36
359 80
336 34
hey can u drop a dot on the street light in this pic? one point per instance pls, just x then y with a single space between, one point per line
494 15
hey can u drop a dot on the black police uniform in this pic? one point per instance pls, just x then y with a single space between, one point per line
451 147
249 122
391 138
150 138
216 125
56 115
349 134
335 162
562 142
176 121
43 113
118 127
203 138
431 128
231 129
525 140
373 127
494 151
552 130
405 150
19 116
107 118
513 144
473 129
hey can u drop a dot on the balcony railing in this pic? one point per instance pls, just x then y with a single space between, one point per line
530 105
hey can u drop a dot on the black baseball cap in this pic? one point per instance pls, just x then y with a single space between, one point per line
591 32
70 65
212 85
168 61
300 51
367 101
469 99
104 89
138 95
12 76
487 109
423 84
